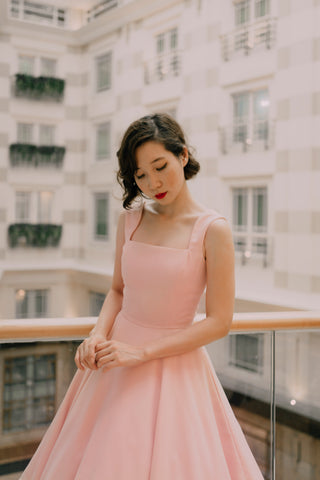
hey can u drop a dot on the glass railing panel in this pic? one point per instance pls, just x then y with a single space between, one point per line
242 362
34 378
298 405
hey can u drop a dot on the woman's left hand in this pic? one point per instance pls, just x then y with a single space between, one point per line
111 354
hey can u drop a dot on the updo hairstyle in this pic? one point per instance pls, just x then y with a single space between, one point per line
161 128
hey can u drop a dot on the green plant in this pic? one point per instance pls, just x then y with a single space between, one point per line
40 88
34 235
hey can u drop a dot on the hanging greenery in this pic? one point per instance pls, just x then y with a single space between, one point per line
34 235
39 88
33 155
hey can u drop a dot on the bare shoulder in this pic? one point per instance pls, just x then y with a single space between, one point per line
218 236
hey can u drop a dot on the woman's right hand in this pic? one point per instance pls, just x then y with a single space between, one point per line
85 356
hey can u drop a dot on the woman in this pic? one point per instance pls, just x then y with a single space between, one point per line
145 403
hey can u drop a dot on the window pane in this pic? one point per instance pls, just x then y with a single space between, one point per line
103 141
46 134
48 67
26 65
24 132
160 43
242 12
246 351
44 206
101 216
22 206
259 220
31 303
262 8
173 38
103 67
240 207
25 407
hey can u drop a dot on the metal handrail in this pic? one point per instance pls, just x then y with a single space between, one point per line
53 328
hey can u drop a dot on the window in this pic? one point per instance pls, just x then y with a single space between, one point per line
96 301
103 141
103 69
25 132
23 207
261 8
101 216
246 352
246 10
28 392
242 12
44 206
48 67
167 62
251 117
46 134
250 220
26 64
31 303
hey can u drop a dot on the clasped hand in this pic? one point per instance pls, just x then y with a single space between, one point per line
96 352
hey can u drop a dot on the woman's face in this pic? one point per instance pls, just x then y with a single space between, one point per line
159 173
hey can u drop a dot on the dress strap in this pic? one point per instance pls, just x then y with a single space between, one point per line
132 220
201 227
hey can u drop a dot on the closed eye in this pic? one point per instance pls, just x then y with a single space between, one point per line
161 168
140 176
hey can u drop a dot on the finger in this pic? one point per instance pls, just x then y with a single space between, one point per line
77 361
102 345
109 357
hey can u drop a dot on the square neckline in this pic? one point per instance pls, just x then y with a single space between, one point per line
130 240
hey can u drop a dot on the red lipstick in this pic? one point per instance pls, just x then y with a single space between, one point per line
161 195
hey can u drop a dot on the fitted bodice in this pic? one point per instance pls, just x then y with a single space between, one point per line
163 285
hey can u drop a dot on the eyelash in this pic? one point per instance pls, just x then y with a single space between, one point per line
158 169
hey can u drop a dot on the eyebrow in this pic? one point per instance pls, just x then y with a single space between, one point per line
153 161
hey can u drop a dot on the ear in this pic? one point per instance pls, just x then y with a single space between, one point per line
185 156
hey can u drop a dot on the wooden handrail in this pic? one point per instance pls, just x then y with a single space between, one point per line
57 328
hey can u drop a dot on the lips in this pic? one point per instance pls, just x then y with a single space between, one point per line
161 195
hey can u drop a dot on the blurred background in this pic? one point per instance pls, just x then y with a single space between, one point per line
243 80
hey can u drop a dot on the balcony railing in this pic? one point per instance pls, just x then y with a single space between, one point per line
26 154
254 245
246 136
162 67
39 235
100 8
248 38
267 366
38 88
36 12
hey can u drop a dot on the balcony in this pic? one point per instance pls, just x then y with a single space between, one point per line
29 155
266 366
38 88
247 136
39 235
162 67
100 9
249 38
36 12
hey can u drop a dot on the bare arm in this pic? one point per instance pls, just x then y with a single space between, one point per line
85 356
219 299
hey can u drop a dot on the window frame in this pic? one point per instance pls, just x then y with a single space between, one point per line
106 83
100 195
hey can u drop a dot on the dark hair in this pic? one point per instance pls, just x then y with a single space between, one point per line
159 127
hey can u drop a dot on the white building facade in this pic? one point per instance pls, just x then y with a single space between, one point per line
241 76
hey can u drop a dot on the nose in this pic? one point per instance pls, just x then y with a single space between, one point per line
154 182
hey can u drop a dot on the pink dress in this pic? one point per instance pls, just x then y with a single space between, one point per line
166 419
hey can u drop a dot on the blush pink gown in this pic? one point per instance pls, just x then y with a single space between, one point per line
166 419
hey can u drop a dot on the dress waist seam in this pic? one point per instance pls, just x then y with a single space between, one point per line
153 326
